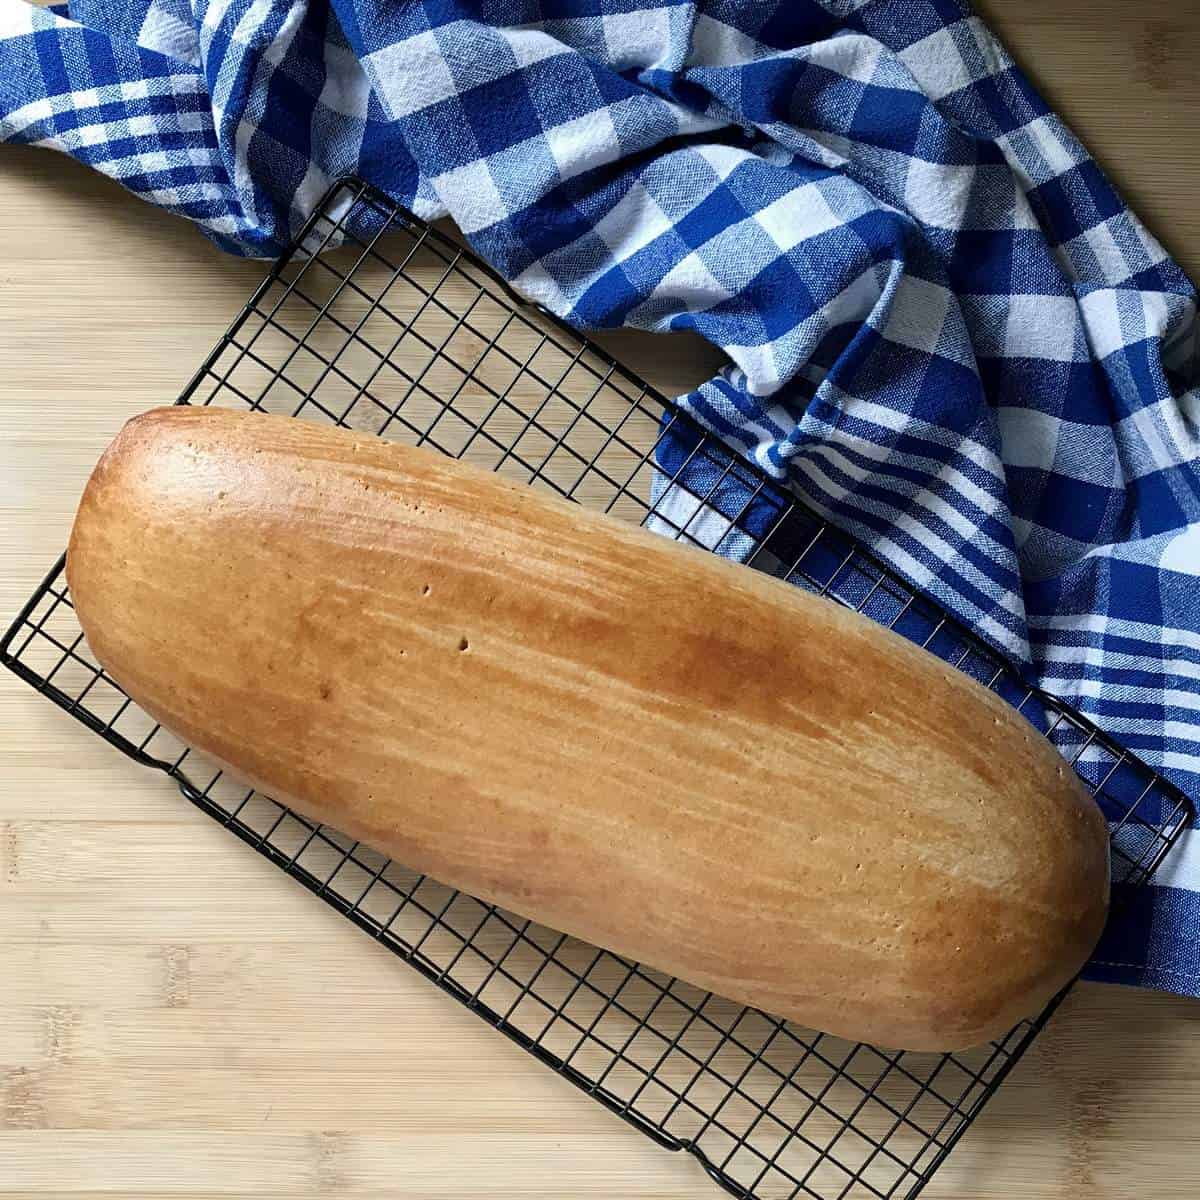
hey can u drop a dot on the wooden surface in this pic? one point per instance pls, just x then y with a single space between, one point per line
177 1019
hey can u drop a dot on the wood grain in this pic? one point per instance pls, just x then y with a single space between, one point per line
178 1020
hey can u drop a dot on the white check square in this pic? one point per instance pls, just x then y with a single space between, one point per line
918 314
471 196
532 45
1102 322
1043 327
936 64
691 282
938 194
411 75
588 141
801 214
637 39
632 223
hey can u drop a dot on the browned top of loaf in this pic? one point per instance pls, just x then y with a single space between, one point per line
875 843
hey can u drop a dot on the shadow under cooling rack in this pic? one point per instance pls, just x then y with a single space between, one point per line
376 322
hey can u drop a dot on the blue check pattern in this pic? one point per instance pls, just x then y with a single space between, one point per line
943 324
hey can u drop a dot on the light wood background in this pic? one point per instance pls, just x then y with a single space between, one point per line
177 1019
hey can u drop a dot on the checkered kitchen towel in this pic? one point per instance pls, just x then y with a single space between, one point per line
944 324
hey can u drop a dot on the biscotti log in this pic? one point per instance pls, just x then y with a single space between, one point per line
663 753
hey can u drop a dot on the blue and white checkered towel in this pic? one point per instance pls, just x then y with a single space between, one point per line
944 324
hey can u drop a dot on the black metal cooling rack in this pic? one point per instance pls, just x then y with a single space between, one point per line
403 333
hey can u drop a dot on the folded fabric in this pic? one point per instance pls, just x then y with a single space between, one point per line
944 326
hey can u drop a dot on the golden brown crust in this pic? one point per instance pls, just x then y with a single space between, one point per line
560 714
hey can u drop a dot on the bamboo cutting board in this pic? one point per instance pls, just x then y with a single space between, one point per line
178 1020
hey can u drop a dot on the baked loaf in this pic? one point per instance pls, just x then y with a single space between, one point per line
572 718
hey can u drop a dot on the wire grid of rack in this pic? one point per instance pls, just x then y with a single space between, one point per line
403 333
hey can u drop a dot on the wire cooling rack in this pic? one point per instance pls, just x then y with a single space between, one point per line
403 333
